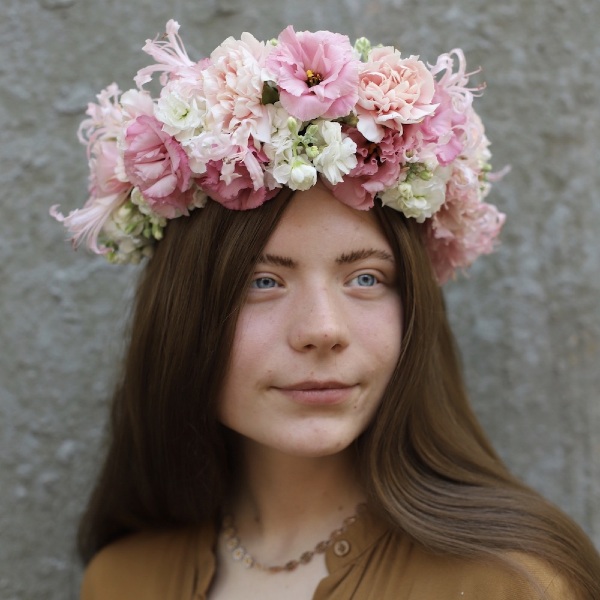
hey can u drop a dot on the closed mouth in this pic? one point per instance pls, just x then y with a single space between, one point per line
318 393
316 385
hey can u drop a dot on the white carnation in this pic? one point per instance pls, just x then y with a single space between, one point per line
181 111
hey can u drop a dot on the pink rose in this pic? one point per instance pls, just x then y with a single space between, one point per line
392 92
316 73
378 168
157 164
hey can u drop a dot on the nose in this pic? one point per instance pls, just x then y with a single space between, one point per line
318 322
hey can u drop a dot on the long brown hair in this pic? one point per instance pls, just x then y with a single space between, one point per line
426 463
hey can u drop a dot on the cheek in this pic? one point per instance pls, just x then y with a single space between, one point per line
382 335
251 356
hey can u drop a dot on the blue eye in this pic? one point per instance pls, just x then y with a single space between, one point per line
263 283
366 280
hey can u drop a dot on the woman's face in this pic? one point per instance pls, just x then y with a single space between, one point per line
319 333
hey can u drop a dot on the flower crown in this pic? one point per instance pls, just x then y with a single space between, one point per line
257 116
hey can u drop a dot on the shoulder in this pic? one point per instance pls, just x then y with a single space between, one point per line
510 576
151 564
395 563
516 576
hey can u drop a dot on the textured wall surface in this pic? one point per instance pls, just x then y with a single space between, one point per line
527 319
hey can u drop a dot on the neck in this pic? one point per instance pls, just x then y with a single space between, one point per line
279 494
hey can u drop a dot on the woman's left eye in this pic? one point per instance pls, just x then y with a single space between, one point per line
365 280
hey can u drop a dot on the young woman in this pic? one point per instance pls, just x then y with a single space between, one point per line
291 420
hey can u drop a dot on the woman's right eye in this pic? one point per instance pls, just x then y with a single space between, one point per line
263 283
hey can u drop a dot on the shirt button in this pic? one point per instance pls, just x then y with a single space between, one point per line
341 548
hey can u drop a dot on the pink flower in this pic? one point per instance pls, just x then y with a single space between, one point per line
463 229
99 132
440 134
455 83
316 73
392 92
378 168
233 87
85 224
157 164
238 183
171 56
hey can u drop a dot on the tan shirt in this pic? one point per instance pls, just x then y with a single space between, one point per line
368 561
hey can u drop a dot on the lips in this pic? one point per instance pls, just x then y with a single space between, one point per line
318 393
316 385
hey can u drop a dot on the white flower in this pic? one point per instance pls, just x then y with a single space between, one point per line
336 152
289 164
199 199
208 146
181 109
131 230
298 174
421 194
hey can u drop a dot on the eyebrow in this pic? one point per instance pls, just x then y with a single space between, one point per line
279 261
343 259
357 255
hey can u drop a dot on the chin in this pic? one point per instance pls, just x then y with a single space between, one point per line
315 447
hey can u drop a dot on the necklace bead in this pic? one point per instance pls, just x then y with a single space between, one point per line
234 546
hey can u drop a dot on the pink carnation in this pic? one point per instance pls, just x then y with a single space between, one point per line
442 133
100 133
464 227
392 92
378 168
317 73
157 164
233 87
238 184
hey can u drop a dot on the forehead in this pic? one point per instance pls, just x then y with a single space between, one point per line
314 219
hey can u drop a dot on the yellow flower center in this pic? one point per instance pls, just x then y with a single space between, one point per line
313 78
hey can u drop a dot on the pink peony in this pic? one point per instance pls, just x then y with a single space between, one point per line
157 164
392 92
378 168
317 73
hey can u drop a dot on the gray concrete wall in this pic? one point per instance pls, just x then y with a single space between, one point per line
528 319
